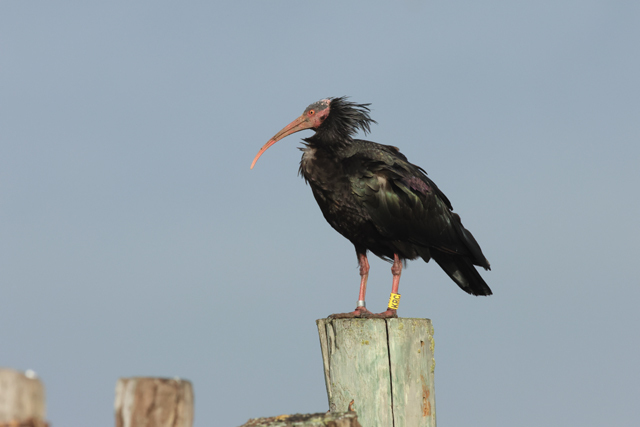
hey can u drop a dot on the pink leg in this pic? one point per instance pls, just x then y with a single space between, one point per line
364 275
361 309
396 270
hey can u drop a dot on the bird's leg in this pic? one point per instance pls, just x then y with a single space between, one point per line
396 270
364 275
361 309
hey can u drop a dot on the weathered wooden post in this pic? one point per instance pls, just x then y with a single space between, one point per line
153 402
383 368
22 399
323 419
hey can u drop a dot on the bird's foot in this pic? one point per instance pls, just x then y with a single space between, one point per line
363 313
359 312
389 314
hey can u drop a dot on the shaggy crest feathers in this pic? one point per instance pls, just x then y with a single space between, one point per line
344 120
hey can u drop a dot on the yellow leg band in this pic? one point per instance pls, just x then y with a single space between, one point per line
394 301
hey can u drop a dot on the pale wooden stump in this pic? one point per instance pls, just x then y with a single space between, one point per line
21 398
385 366
153 402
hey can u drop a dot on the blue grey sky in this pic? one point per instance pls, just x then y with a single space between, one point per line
135 241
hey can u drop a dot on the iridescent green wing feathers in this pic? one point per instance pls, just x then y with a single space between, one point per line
404 204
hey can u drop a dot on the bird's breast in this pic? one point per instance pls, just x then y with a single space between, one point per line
308 158
319 168
332 190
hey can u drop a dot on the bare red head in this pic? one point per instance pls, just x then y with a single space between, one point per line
312 118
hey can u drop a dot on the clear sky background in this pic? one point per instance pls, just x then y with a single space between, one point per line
135 241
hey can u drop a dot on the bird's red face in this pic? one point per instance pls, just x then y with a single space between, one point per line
312 118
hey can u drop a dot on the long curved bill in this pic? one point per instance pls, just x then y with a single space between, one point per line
301 123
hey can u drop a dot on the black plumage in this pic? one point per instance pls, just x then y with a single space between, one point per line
372 195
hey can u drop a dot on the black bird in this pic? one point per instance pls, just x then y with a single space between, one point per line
374 197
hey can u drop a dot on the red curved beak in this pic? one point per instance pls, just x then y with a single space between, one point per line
301 123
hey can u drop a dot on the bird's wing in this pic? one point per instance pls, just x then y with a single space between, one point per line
404 204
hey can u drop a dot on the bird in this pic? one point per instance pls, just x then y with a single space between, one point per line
373 196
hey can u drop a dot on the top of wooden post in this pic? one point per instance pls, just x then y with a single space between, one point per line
158 402
22 397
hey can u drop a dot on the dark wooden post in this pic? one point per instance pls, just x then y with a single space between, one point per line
382 367
22 399
154 402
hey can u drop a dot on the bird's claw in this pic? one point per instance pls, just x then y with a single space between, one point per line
389 314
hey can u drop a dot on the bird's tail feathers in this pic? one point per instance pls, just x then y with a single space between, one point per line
472 245
462 271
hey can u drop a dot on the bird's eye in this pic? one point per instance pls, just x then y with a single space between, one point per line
311 112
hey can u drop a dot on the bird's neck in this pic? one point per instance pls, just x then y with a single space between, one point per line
320 163
327 141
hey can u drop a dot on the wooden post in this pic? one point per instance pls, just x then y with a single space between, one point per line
154 402
21 399
332 419
382 367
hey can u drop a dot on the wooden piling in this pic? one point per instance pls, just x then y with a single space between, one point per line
153 402
22 399
332 419
382 367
